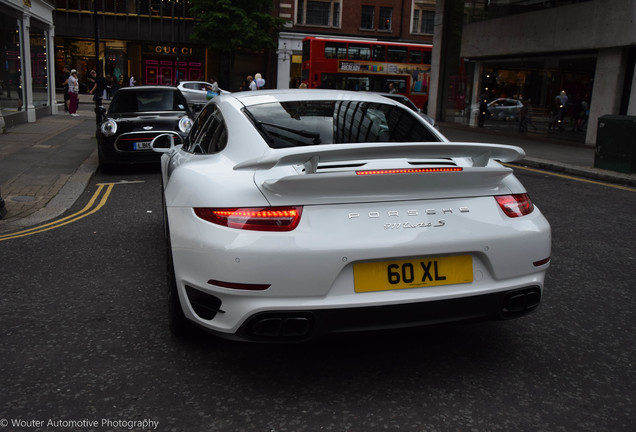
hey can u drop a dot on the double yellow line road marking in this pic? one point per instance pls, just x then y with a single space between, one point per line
96 203
572 177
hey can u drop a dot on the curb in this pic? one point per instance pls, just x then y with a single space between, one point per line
64 199
589 173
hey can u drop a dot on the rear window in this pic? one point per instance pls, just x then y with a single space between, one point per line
300 123
147 100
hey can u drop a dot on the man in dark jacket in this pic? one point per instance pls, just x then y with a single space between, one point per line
98 93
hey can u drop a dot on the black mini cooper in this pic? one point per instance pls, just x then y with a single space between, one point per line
137 115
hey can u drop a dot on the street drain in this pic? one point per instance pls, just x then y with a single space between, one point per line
22 198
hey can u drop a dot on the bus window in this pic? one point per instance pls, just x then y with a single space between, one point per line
416 56
335 50
344 81
398 83
357 83
379 53
397 54
306 50
427 57
359 52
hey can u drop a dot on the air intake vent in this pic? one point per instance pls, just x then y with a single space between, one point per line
204 305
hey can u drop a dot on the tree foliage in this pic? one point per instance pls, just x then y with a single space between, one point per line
231 25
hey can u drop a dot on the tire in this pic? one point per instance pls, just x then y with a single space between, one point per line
104 167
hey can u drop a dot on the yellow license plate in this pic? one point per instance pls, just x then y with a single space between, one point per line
424 272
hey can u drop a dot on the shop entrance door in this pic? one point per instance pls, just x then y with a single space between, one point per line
168 72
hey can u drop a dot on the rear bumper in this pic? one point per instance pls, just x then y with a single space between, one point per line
303 325
310 276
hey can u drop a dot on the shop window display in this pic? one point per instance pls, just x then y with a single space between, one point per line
11 91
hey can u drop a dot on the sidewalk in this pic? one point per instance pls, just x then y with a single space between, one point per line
549 152
45 166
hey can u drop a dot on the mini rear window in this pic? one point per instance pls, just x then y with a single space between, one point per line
301 123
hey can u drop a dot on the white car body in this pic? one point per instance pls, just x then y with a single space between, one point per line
299 284
196 92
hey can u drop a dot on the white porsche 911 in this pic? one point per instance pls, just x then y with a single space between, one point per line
293 214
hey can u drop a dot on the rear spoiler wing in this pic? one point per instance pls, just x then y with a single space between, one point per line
480 153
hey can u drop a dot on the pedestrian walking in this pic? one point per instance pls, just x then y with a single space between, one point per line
260 82
525 116
251 84
73 93
98 89
214 85
557 113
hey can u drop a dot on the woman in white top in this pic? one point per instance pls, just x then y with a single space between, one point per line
73 93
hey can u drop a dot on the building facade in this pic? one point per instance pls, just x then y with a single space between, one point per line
385 20
150 41
533 51
27 86
146 40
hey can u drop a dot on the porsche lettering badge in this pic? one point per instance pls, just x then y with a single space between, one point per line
411 213
396 213
408 225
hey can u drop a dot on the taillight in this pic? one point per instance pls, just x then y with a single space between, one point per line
253 218
515 205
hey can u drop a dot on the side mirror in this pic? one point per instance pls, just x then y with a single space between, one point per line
163 143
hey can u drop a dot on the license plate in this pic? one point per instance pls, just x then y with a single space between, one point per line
424 272
141 145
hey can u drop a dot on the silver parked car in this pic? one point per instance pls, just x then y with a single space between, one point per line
196 92
505 109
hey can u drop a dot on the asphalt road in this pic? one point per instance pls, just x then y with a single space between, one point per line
85 346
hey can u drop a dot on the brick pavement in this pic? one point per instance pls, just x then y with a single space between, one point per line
37 160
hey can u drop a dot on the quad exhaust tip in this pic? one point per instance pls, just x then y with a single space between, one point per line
520 302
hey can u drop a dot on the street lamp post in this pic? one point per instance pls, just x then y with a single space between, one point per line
98 75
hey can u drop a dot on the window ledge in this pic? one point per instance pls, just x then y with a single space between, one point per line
316 25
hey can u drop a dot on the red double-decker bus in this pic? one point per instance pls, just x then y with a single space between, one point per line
351 64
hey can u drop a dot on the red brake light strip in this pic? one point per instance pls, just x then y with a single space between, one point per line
408 171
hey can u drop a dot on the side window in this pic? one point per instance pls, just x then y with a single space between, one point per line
335 50
397 54
198 128
211 135
218 140
379 53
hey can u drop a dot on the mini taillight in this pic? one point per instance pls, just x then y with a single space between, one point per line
253 218
408 171
515 205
